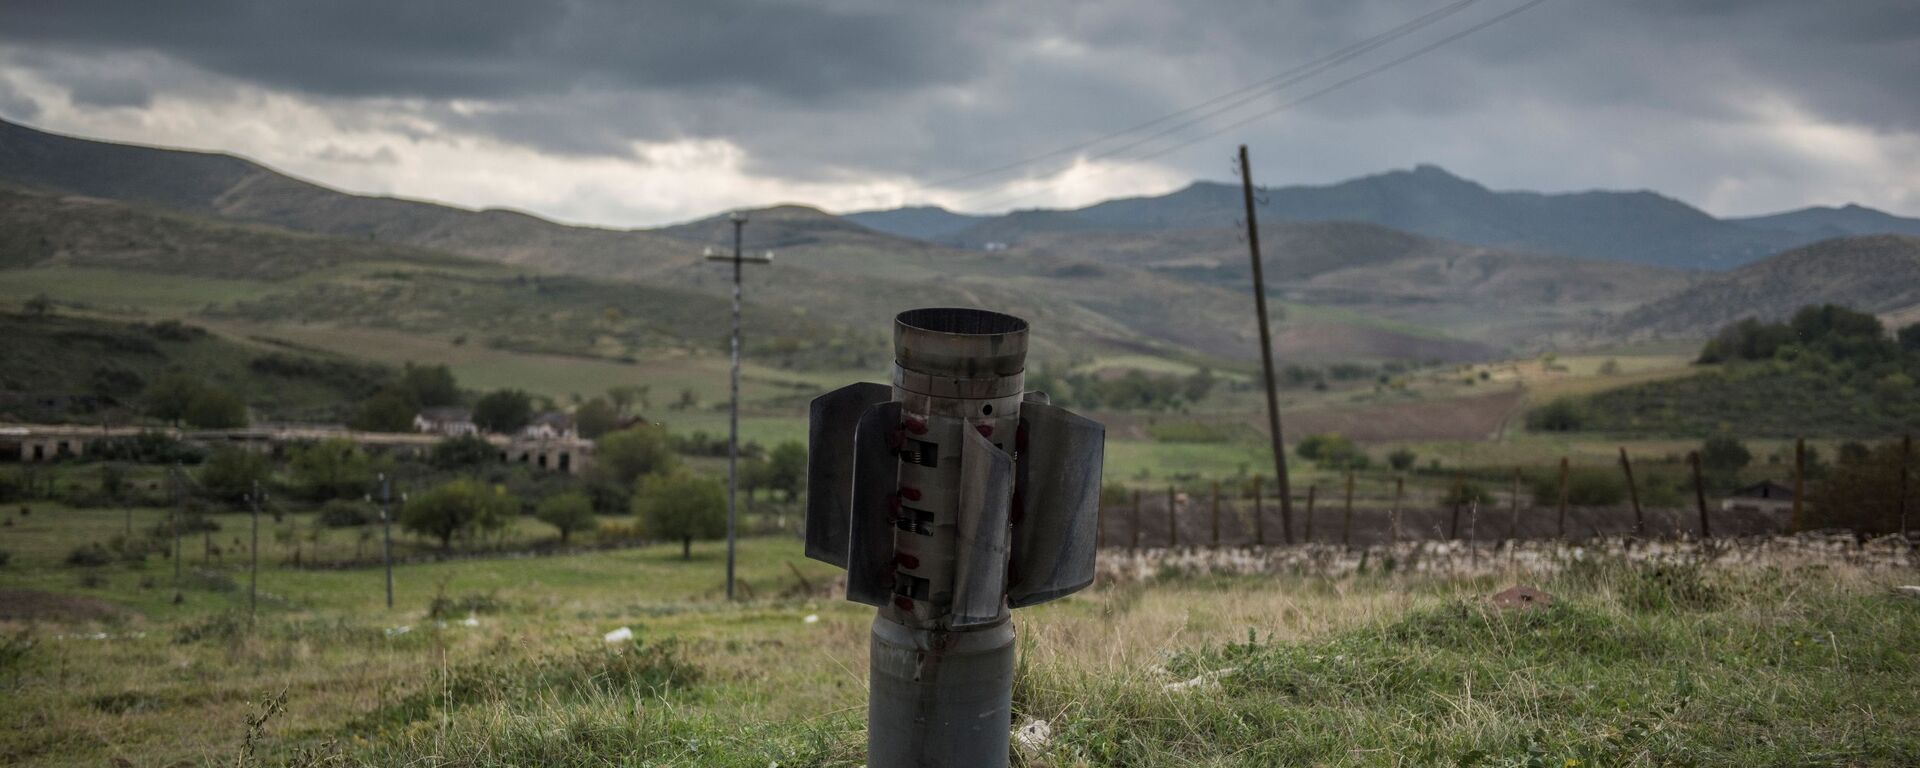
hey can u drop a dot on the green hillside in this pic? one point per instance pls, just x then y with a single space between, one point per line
80 369
1827 371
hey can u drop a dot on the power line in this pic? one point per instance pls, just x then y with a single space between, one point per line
1429 48
1292 75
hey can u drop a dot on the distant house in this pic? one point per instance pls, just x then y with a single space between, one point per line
549 425
1765 496
447 421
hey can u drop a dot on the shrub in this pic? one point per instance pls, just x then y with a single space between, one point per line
89 555
5 558
1560 415
1402 459
344 513
1586 487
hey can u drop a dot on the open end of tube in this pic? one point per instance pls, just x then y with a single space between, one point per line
961 321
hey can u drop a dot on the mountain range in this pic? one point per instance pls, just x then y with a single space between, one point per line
1640 227
1405 265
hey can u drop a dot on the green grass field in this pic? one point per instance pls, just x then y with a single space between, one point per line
1770 664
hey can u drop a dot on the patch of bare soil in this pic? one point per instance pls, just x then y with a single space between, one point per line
34 605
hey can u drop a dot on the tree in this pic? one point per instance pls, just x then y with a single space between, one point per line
169 394
681 506
569 512
387 411
596 417
1402 459
623 457
1910 337
429 386
787 468
626 396
334 469
215 408
1723 457
458 508
463 451
503 411
230 472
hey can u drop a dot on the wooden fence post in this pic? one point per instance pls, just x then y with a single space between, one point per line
1136 520
1906 458
1700 496
1633 494
1393 512
1259 516
1459 490
1799 483
1561 528
1346 516
1216 514
1173 525
1307 537
1513 525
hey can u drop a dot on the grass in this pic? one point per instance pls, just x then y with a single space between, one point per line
1633 665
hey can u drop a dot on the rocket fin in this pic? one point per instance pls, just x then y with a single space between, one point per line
980 568
830 459
869 532
1057 529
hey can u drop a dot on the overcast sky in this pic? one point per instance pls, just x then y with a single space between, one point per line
636 113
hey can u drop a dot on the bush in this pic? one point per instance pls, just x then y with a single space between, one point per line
230 473
89 555
463 452
1586 487
5 558
344 513
1560 415
1402 459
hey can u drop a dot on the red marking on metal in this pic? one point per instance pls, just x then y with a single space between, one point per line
905 560
903 602
916 426
985 430
910 494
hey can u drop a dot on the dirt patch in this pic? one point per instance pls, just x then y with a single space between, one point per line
32 605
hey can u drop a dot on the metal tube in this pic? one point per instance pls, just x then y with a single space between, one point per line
941 694
733 410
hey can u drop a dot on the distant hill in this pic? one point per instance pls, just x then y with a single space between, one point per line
1641 227
927 222
233 188
1871 273
1827 221
1491 295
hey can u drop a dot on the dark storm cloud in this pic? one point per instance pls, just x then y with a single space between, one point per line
495 48
1557 97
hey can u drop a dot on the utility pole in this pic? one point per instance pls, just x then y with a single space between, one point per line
1266 353
1259 516
1799 483
739 221
386 532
